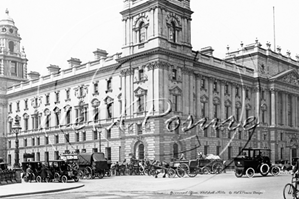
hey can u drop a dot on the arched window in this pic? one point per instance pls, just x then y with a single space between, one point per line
142 32
173 32
175 151
11 46
141 152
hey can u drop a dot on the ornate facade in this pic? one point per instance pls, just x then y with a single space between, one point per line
103 104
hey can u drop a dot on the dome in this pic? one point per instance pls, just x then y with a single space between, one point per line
6 19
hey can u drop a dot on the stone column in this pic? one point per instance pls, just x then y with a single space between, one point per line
233 85
257 104
198 104
191 94
284 102
210 98
222 99
294 107
124 103
243 110
273 108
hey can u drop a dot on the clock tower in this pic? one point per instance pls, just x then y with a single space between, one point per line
13 69
149 24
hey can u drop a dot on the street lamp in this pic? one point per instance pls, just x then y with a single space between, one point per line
16 128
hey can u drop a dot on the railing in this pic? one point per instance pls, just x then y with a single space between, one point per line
7 177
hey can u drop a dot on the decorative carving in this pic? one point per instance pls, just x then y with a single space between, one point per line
81 91
228 103
238 104
95 102
204 99
176 91
216 100
173 17
290 79
140 91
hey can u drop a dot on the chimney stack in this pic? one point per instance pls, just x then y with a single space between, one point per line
207 51
99 53
33 75
74 62
53 69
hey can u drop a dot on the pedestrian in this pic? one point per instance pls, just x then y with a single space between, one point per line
29 173
43 173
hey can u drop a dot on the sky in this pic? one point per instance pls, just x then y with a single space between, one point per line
53 31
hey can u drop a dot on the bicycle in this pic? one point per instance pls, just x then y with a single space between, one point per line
290 190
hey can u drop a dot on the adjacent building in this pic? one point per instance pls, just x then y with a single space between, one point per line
102 105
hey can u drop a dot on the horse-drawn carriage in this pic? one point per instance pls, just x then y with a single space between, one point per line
92 165
254 160
62 171
35 168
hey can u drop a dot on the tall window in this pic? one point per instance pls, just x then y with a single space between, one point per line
57 116
218 149
141 152
109 110
227 111
141 103
175 103
139 129
206 149
108 133
247 113
56 139
95 135
18 106
26 104
48 99
77 137
280 105
237 112
67 94
175 151
67 137
142 32
229 152
46 156
203 83
96 114
227 89
96 87
11 46
25 142
215 110
141 74
262 94
205 133
26 123
68 116
38 141
32 141
247 94
46 140
108 153
57 97
13 68
48 121
203 106
83 136
9 159
215 86
263 116
173 32
109 84
237 91
174 74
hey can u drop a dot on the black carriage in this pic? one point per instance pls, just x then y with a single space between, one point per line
92 165
62 171
254 160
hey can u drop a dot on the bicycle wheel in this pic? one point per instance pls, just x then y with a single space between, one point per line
289 191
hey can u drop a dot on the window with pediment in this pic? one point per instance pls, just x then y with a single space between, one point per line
216 103
10 122
56 97
142 32
26 104
237 91
36 119
248 109
263 113
172 32
67 95
227 89
47 114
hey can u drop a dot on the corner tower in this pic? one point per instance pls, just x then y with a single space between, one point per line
13 69
149 24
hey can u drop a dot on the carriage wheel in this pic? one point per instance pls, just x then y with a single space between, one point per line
38 179
238 173
275 170
205 170
88 172
171 173
180 172
185 167
56 177
80 174
264 169
217 168
76 179
250 172
64 179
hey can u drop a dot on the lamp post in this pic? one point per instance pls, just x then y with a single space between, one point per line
16 129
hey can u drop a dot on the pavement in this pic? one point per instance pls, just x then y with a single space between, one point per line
21 189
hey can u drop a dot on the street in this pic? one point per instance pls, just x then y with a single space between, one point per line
202 186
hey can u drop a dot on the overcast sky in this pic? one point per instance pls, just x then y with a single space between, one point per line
53 31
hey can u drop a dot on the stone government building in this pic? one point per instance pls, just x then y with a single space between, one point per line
157 61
